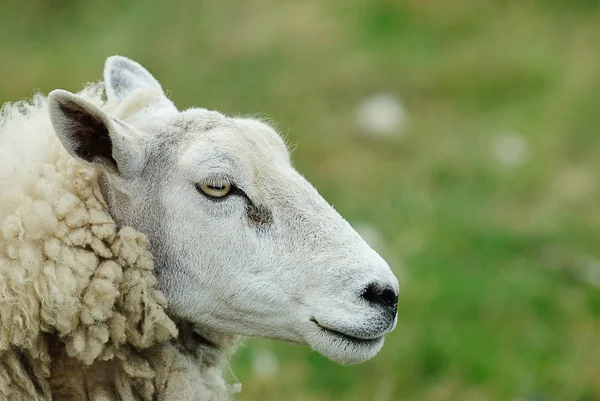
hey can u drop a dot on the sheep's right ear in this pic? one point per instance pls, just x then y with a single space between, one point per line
94 138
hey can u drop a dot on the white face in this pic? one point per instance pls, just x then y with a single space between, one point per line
243 243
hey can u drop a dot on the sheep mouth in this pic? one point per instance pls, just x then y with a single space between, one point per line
346 337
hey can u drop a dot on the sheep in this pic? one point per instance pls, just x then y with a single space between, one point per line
138 242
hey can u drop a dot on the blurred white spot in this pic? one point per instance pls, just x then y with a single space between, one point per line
590 273
371 235
583 267
509 149
381 115
574 183
264 363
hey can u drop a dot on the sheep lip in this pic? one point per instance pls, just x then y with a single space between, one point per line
347 337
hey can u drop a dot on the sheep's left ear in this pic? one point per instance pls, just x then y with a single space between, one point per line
93 137
134 89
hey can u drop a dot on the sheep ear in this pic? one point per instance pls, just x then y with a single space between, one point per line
94 138
133 88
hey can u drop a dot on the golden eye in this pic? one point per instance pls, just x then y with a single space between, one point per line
215 191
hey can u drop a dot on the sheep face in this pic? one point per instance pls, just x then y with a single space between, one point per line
243 243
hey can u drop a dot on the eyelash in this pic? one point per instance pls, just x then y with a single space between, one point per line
217 182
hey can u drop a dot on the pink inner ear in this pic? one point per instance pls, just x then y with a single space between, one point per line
89 134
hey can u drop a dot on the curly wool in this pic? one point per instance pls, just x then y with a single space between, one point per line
80 318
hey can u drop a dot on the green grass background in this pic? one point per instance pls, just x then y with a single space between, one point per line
495 305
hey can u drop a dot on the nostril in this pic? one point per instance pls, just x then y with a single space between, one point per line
371 293
389 298
375 294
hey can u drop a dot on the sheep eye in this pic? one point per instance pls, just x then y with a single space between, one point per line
215 191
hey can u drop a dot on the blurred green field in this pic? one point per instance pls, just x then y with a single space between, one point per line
500 264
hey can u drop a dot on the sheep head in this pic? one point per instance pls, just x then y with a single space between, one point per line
243 243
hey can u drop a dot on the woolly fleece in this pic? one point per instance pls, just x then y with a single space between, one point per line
80 318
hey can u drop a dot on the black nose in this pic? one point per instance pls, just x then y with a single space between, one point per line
381 296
